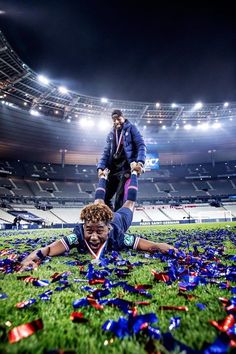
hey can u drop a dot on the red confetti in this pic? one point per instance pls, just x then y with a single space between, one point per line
225 324
182 289
231 308
24 304
224 300
77 317
30 279
96 281
21 305
143 286
56 276
93 302
129 266
12 256
145 303
228 286
24 330
26 278
134 311
4 252
179 308
144 325
187 296
161 276
232 343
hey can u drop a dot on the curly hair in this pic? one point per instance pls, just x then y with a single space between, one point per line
96 212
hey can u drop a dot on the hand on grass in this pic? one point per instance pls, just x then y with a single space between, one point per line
165 248
28 263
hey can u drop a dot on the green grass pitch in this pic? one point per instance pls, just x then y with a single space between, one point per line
60 332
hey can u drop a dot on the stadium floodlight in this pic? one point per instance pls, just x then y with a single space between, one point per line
198 105
90 123
86 123
43 79
63 90
103 124
188 126
173 105
216 125
35 113
226 104
204 126
82 122
157 105
104 100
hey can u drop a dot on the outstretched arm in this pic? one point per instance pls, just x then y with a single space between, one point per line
54 249
101 188
132 191
149 246
106 153
140 144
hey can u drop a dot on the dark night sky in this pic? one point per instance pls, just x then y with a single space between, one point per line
172 51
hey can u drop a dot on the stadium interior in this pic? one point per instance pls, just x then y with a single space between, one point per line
52 138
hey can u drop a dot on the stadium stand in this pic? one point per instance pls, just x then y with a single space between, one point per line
49 217
175 213
6 217
53 173
154 213
58 201
231 208
81 187
140 215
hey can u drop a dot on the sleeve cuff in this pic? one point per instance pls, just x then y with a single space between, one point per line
64 244
136 243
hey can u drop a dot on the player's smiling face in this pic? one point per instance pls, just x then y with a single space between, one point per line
96 234
118 120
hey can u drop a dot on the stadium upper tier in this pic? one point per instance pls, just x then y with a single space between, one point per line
37 114
83 173
34 181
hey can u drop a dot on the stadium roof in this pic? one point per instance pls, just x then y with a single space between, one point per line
179 132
